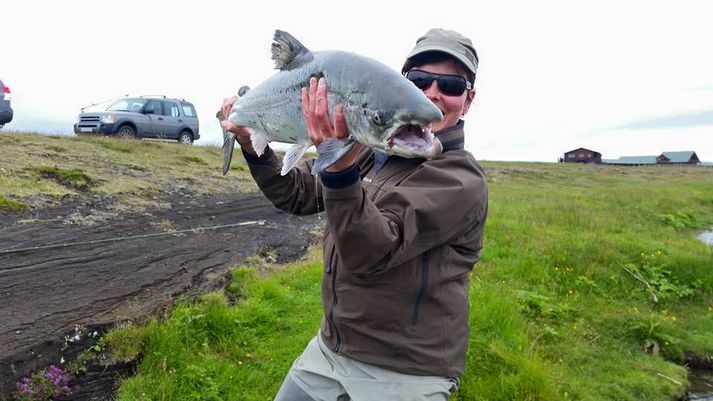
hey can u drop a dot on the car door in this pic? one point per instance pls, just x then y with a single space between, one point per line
173 120
154 111
134 110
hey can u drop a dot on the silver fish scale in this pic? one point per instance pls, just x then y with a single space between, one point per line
274 107
277 115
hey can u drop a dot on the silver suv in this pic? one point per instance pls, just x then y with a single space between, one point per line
143 117
5 109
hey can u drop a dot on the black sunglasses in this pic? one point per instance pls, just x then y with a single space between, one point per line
451 85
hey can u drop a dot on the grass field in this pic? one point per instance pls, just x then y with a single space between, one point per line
592 286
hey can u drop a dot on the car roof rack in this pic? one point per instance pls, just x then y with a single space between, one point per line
158 96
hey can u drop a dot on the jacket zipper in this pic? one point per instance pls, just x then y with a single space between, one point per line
422 290
330 316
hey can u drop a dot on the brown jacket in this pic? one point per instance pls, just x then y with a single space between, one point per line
398 249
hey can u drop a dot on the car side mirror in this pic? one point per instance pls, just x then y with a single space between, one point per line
149 111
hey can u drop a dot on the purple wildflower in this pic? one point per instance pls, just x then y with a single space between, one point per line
25 388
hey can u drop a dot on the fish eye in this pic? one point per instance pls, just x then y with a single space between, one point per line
378 118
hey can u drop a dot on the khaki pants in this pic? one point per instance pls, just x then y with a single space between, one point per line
321 375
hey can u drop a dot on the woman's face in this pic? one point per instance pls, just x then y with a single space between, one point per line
452 107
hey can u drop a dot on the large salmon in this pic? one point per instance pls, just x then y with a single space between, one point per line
383 110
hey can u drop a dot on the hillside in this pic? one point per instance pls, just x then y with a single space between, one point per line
96 232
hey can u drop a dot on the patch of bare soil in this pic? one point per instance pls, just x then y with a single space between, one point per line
80 266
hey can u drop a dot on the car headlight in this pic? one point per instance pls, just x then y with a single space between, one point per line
108 119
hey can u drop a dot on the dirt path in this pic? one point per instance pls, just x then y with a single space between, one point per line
56 274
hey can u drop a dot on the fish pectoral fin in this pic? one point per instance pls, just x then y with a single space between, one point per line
287 52
293 156
259 143
330 151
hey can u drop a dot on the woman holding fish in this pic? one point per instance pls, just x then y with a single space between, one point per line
405 205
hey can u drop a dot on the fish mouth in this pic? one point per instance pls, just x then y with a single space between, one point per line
414 140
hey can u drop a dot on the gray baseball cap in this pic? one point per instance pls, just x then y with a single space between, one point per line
445 41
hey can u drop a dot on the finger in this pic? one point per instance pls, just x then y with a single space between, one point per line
228 125
227 105
306 113
305 103
340 123
321 112
312 95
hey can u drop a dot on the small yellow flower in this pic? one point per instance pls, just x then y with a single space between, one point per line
673 318
570 292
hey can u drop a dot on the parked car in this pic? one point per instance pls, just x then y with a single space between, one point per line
6 112
143 117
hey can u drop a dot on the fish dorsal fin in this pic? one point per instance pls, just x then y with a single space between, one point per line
287 52
293 155
259 142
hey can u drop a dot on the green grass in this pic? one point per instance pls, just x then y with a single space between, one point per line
212 350
592 285
12 205
71 178
132 171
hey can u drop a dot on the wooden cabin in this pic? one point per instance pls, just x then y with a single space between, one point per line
582 155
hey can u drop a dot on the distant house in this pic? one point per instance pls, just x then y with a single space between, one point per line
582 155
665 158
687 157
632 161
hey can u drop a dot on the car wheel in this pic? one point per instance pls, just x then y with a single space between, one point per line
125 131
185 138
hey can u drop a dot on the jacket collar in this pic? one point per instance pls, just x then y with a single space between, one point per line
452 137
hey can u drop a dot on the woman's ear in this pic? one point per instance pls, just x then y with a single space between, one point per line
468 101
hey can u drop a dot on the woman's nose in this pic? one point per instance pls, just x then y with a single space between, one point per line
431 91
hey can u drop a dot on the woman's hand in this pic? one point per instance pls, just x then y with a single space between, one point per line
315 108
242 135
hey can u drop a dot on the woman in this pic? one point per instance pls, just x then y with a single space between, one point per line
402 236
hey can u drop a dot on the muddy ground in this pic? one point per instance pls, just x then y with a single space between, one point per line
79 269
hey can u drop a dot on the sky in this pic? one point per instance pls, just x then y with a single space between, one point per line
623 78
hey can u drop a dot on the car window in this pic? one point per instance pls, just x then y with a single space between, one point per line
188 109
127 105
153 106
170 109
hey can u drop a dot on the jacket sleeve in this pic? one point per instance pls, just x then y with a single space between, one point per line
298 192
439 200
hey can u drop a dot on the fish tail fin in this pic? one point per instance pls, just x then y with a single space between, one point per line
229 137
330 151
228 146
